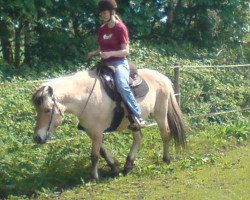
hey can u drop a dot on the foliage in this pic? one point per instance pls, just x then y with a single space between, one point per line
47 30
52 38
29 169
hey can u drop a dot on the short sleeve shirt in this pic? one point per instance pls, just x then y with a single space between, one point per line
111 39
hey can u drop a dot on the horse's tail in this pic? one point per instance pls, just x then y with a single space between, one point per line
176 122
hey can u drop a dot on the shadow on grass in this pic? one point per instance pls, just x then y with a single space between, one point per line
51 170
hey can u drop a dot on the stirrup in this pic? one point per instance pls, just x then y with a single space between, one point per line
141 122
135 123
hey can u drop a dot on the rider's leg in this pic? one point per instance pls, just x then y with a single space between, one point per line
122 84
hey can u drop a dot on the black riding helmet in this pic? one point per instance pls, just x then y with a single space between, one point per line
107 5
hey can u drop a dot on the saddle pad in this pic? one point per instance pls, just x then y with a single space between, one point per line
138 91
107 81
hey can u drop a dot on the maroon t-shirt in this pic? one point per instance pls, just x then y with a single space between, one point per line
111 39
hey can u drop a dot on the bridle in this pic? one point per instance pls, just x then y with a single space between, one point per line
56 106
52 114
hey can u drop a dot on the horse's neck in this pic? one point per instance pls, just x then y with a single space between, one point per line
73 91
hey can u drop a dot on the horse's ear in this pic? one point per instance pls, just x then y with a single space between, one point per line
37 100
37 97
50 91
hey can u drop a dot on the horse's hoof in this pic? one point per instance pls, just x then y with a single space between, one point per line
115 169
129 165
166 160
94 177
127 169
114 173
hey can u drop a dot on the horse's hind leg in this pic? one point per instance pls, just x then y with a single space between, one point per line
137 138
112 162
165 135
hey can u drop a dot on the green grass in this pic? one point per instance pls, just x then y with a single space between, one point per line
31 171
227 178
64 167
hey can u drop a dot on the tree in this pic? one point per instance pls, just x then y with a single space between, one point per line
52 30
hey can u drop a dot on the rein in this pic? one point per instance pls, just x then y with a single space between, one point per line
52 114
93 87
55 104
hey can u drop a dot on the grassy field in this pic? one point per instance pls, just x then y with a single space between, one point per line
228 178
213 167
61 170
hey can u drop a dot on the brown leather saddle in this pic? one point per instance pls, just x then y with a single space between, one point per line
139 87
106 72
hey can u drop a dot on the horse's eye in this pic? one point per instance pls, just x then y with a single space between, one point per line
47 110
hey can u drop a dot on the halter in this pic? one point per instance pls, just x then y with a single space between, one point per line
52 114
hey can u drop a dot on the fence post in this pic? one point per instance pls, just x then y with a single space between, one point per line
177 83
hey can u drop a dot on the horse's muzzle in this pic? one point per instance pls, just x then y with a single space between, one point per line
39 140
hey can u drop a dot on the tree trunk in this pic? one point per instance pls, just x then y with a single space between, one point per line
76 26
27 45
18 44
5 43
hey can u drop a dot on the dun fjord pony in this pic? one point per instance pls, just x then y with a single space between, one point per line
71 94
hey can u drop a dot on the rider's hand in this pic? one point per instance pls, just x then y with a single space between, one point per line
105 55
93 53
90 54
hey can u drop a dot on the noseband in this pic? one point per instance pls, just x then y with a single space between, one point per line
52 114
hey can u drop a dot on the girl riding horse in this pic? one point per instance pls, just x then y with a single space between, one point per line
113 48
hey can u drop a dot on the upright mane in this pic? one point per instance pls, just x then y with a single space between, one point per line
40 95
46 89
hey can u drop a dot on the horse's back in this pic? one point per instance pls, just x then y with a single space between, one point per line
160 88
155 79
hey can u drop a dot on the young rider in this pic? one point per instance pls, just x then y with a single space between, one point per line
113 47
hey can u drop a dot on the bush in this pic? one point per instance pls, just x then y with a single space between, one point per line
28 169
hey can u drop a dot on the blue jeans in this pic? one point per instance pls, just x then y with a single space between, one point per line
122 84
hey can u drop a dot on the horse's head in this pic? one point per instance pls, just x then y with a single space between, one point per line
49 113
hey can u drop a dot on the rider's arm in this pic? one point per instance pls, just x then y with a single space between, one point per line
94 53
120 53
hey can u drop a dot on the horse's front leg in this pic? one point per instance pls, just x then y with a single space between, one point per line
129 165
112 162
95 154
